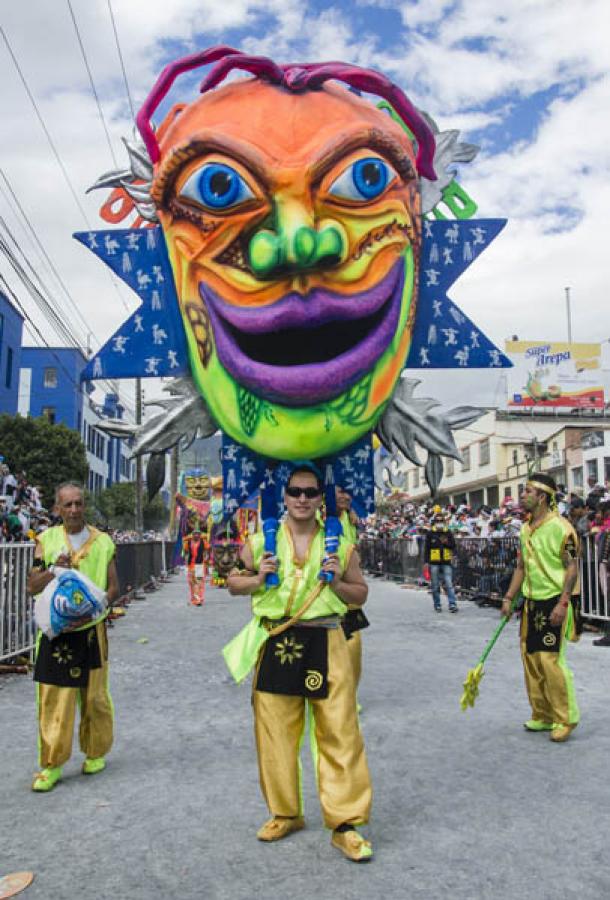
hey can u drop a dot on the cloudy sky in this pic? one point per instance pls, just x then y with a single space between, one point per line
526 80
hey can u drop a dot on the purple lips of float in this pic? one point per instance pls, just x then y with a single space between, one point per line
306 349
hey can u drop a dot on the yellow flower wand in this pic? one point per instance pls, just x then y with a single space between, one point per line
474 676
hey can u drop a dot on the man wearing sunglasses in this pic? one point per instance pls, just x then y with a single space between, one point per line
306 658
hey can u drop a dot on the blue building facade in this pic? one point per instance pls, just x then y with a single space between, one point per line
11 333
50 385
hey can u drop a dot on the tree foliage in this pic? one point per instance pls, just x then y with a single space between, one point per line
115 507
48 454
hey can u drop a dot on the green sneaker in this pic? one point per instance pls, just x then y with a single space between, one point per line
46 779
537 725
93 766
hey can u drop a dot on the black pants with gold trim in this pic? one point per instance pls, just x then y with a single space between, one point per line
57 712
344 783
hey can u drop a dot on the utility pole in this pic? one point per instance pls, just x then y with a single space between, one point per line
569 315
173 489
139 514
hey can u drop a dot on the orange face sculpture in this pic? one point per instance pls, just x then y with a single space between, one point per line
292 225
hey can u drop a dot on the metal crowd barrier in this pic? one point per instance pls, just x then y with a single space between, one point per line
137 564
594 580
397 558
482 567
17 629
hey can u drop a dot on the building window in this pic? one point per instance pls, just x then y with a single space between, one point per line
484 452
508 492
450 467
465 459
592 471
606 468
49 413
9 367
577 478
415 478
50 378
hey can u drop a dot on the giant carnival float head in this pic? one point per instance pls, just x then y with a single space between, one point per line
300 267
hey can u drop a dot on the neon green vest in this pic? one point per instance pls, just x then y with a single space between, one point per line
350 532
297 578
542 552
96 554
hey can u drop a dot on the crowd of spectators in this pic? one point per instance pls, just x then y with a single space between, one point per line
124 536
22 514
406 519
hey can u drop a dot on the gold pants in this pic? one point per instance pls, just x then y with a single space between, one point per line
354 647
548 681
57 710
343 777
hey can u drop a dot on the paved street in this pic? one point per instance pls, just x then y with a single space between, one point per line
467 805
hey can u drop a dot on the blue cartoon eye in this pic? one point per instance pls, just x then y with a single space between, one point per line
365 179
216 186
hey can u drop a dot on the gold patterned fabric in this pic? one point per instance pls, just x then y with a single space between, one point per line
354 648
342 771
57 711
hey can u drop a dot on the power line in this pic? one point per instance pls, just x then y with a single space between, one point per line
45 255
20 307
44 306
45 129
41 301
42 287
118 47
91 82
57 156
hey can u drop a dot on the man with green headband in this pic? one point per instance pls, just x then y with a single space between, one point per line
547 576
306 658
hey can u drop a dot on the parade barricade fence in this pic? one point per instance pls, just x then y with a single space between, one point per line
594 582
400 559
17 629
482 567
137 564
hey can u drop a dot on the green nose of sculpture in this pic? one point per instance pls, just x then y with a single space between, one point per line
298 249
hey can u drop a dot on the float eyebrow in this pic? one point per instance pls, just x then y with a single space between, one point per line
374 139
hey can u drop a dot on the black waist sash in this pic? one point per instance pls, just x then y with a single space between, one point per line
354 620
295 662
542 637
67 659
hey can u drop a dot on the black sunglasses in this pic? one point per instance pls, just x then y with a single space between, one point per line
308 492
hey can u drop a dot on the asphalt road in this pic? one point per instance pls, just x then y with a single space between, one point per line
467 806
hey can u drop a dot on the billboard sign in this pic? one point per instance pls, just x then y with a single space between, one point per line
555 374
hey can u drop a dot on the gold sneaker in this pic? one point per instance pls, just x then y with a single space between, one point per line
352 845
561 733
280 827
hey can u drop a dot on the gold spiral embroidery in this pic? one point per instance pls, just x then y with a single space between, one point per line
313 680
